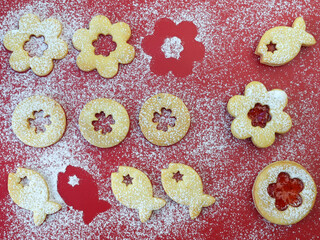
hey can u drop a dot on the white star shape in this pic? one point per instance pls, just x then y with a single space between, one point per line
73 180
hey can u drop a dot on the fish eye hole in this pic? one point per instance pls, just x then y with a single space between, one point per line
39 121
164 119
177 176
272 47
24 182
103 123
127 180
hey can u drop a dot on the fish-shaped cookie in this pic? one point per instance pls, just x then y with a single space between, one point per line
279 45
183 185
79 190
133 189
34 196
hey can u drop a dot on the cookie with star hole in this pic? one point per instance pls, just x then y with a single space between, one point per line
104 122
133 189
183 185
164 119
284 192
280 45
39 121
33 196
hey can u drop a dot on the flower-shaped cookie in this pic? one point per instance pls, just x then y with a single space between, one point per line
162 42
107 66
273 119
30 25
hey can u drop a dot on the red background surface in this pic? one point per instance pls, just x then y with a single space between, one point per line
230 31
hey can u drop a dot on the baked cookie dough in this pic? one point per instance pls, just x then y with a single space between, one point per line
108 66
183 185
280 45
30 25
259 114
133 189
34 196
25 111
178 110
110 107
287 186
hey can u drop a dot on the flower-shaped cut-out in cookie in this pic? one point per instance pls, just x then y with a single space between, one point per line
242 126
108 66
173 47
30 25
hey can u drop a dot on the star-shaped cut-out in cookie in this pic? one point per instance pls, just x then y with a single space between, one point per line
127 180
178 176
272 47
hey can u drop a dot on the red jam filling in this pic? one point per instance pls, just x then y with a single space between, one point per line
259 115
104 45
104 123
286 191
164 119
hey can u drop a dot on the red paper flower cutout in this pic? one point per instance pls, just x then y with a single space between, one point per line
166 35
286 191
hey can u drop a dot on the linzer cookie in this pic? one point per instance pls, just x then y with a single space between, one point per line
133 189
284 192
30 25
280 45
107 66
39 121
95 112
164 119
259 114
34 195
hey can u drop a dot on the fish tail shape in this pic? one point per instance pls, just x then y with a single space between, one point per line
145 213
40 215
299 23
202 201
99 207
306 38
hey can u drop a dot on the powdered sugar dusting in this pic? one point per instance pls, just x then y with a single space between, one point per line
230 32
172 47
267 203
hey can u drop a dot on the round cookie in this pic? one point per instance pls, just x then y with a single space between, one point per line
149 128
110 107
25 111
265 200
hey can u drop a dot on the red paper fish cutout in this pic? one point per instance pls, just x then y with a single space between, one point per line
78 189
